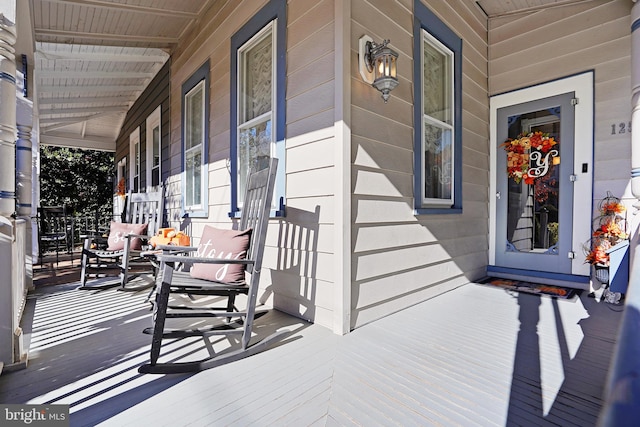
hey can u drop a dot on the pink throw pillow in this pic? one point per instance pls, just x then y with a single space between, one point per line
118 235
225 244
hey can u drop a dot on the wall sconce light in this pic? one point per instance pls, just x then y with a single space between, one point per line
377 65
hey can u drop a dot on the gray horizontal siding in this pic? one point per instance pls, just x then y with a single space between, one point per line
400 258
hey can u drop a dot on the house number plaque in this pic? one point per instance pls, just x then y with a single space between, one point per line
619 128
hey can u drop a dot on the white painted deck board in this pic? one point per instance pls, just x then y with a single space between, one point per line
462 358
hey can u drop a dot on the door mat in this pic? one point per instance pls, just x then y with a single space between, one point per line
532 288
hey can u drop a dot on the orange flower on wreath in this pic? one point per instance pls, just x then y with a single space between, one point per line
541 141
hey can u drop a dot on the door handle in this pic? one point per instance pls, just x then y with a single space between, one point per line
498 194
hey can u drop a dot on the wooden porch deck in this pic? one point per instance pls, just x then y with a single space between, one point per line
474 356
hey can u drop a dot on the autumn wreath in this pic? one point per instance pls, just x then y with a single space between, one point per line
528 147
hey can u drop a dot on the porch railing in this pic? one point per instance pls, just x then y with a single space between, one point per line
80 226
84 225
13 237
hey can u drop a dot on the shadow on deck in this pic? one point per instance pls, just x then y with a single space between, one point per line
477 355
50 272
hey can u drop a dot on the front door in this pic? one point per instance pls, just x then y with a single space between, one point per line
534 185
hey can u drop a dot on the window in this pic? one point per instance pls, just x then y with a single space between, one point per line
195 118
154 174
438 133
122 170
255 115
118 202
134 151
194 143
257 110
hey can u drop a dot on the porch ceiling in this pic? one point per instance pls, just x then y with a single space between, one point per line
93 58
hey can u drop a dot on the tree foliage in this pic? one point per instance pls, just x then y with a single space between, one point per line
81 179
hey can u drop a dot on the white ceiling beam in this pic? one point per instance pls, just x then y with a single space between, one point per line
155 40
46 111
130 8
55 126
67 120
76 141
49 124
95 74
85 89
100 57
87 100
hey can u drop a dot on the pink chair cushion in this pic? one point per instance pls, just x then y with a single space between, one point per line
225 244
118 235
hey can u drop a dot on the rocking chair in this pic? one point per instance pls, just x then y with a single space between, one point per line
252 230
119 255
55 231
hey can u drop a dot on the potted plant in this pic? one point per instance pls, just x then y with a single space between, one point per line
609 230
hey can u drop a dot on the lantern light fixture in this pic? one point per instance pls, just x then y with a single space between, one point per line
377 65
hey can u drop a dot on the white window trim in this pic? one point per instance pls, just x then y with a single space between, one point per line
272 27
152 121
122 169
134 138
203 181
118 202
435 43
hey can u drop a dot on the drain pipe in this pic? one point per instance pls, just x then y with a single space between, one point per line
24 187
622 397
24 162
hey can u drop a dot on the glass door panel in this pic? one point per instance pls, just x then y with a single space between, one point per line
533 186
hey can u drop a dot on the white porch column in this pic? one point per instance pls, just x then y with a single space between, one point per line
634 252
7 108
7 180
342 155
635 102
622 396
